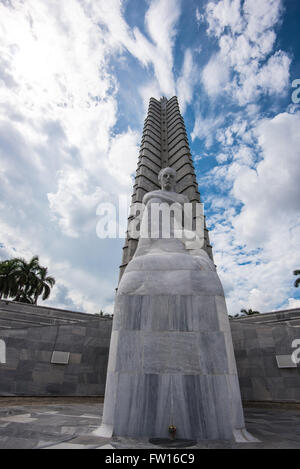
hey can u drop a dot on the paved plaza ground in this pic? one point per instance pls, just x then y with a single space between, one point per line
68 423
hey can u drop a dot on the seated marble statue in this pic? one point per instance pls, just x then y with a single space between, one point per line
164 229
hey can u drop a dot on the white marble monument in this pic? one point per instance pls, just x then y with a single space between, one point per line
171 361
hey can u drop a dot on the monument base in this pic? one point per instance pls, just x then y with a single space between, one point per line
172 363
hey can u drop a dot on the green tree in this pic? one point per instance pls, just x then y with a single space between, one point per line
249 312
8 278
43 284
26 278
101 313
235 316
24 281
297 281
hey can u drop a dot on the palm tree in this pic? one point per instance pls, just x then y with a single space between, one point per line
249 312
24 281
43 285
24 297
8 278
27 278
297 281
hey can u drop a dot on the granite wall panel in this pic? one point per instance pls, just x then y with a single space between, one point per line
256 346
28 370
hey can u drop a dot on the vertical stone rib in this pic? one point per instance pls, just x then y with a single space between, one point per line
180 159
164 143
164 133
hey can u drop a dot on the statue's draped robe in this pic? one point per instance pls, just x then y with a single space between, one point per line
181 239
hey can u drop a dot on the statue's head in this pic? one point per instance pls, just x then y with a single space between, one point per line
167 179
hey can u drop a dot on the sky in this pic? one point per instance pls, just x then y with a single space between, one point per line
75 81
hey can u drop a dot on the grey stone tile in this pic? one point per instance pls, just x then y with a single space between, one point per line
110 397
222 313
142 410
205 315
171 352
237 414
181 313
155 313
270 366
129 351
261 389
212 353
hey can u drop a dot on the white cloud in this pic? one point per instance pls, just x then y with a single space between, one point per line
292 303
222 14
58 151
160 19
75 201
123 156
246 38
79 286
215 75
205 128
221 158
273 187
199 16
261 16
35 40
60 155
186 81
244 155
271 78
148 90
257 248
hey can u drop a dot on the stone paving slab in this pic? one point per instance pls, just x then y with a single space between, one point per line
70 425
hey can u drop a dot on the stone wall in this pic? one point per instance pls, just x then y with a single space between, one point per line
257 340
28 370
